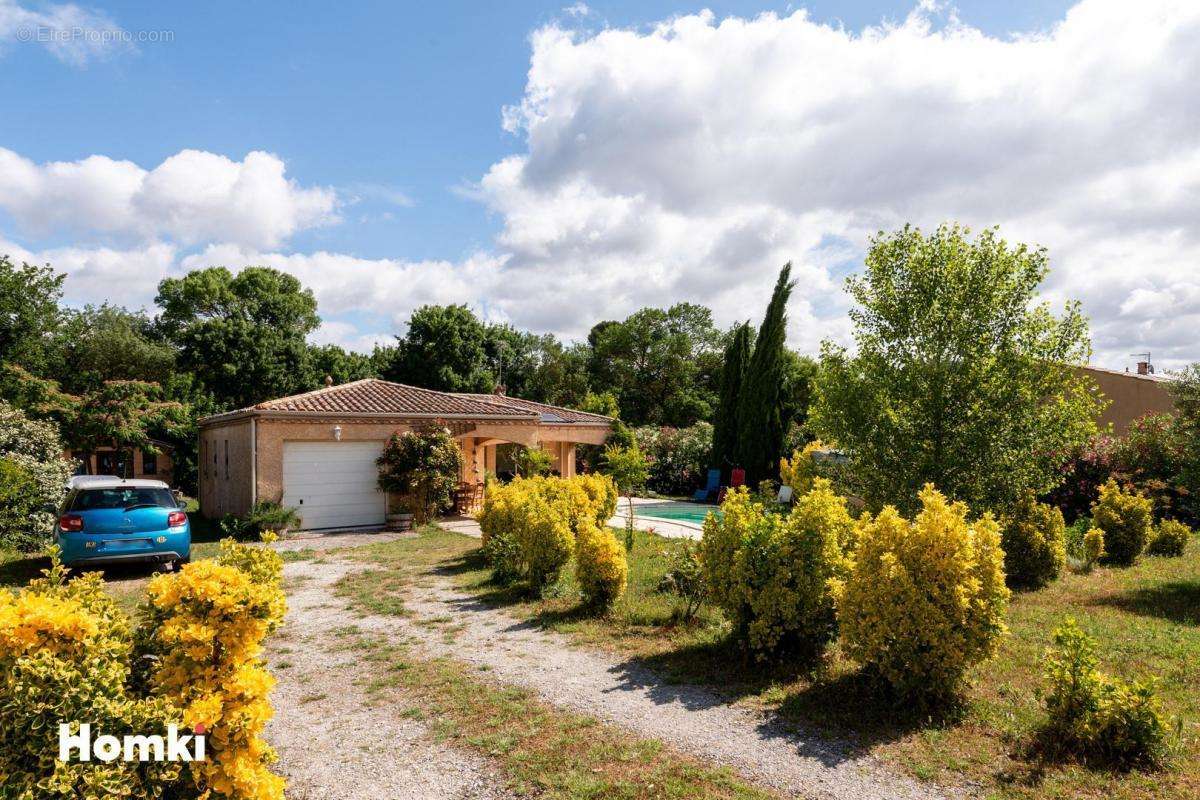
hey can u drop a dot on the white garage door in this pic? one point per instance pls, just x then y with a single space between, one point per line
332 484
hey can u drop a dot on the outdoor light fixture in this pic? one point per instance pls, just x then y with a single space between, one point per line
337 433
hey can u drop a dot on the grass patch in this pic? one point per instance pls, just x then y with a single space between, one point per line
542 751
373 592
1146 619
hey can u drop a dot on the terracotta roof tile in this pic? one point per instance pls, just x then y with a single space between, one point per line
373 396
548 413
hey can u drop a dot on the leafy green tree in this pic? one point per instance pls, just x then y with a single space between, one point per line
760 406
960 379
604 403
108 343
628 468
1185 390
443 350
341 365
29 313
662 364
242 336
530 462
124 415
725 420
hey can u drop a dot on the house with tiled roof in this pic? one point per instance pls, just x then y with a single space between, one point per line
316 451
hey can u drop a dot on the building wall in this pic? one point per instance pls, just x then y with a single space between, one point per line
224 470
230 490
162 472
1130 397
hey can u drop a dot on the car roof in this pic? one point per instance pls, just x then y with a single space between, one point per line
122 483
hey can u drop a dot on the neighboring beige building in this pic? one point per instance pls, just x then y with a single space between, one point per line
1131 395
110 461
316 451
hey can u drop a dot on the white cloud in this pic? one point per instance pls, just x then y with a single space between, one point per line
72 34
191 197
127 277
689 160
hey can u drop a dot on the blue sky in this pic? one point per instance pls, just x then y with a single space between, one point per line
399 183
398 96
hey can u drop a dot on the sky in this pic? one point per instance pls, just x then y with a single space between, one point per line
553 165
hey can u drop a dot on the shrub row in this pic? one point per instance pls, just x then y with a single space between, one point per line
532 526
917 602
68 653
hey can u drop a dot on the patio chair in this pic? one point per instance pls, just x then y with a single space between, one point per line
785 495
737 477
714 483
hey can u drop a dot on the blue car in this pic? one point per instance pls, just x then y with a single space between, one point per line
113 520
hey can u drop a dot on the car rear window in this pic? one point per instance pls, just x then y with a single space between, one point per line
121 497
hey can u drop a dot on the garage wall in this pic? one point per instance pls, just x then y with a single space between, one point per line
225 468
273 433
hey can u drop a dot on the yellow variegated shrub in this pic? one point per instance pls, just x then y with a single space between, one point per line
1033 536
65 650
1093 547
775 575
925 598
800 471
1125 518
600 566
545 540
789 575
721 545
1170 538
205 625
519 541
602 492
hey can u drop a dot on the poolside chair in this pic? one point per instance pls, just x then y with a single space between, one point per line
737 477
714 483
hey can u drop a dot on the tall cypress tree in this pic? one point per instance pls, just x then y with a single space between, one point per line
725 421
760 425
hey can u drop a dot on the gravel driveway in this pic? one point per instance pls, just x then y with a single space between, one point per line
332 744
691 719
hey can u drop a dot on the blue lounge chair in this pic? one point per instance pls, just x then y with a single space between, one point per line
714 483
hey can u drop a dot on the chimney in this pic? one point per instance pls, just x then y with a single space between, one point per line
1144 368
328 381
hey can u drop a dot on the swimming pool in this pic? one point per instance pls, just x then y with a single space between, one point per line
675 511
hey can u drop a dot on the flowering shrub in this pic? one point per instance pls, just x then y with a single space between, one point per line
1090 714
1125 519
925 598
423 466
1170 538
205 625
35 449
678 457
1033 537
600 566
775 575
1084 470
545 541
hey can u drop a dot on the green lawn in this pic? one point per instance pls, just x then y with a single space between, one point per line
1146 619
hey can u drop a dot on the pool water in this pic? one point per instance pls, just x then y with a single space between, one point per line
677 512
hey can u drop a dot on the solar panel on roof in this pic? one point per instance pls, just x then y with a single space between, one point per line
550 417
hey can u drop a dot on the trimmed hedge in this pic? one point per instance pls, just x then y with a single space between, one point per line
1033 536
1125 518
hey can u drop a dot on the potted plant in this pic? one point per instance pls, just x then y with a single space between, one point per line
400 516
